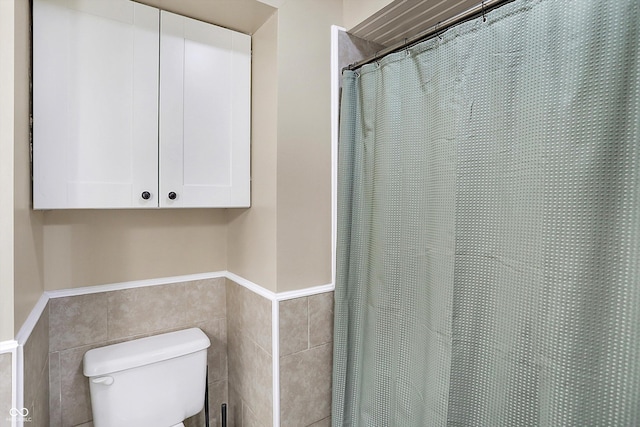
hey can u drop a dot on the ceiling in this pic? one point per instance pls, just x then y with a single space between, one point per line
245 16
400 19
405 18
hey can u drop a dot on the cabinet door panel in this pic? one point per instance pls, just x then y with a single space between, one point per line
95 104
204 114
207 113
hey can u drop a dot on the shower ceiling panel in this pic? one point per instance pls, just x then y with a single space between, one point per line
405 18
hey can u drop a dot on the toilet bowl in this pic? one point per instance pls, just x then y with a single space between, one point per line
156 381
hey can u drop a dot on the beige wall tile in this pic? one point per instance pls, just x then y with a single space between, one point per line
77 321
241 356
55 408
207 300
261 397
322 423
131 314
305 386
234 408
217 352
294 326
249 362
36 355
250 313
234 305
218 394
5 388
196 420
225 355
259 320
249 419
257 315
74 388
40 404
146 310
320 319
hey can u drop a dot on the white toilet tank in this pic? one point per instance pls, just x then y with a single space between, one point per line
156 381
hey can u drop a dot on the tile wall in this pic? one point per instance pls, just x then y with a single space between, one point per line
36 372
239 325
80 323
5 389
250 358
306 338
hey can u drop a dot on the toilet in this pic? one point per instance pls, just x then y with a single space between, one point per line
156 381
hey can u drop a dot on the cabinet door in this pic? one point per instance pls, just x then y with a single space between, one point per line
95 104
204 114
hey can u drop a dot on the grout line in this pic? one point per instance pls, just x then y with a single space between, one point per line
307 349
59 383
308 324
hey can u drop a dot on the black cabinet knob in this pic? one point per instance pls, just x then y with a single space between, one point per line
146 195
172 195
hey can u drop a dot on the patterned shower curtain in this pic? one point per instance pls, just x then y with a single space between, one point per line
489 225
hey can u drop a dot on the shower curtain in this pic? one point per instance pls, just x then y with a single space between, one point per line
489 225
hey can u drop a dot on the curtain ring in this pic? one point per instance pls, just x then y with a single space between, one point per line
484 18
437 33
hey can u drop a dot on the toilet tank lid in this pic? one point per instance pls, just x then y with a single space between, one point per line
143 351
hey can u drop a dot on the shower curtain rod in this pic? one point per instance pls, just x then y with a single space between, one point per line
478 10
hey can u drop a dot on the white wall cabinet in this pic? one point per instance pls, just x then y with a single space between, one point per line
204 113
95 87
126 116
